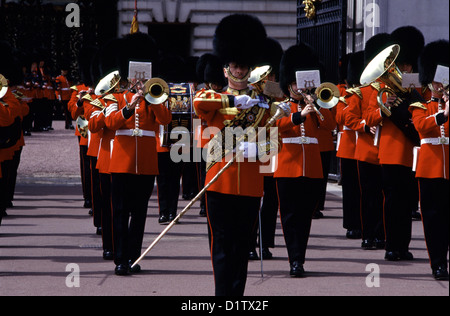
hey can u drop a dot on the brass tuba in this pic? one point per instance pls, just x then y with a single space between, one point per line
156 91
384 69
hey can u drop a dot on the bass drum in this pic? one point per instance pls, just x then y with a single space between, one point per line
180 104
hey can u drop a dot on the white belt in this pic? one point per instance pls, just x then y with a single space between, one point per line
300 140
135 132
65 89
435 141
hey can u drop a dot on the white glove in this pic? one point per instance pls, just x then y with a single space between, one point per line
249 150
263 105
243 102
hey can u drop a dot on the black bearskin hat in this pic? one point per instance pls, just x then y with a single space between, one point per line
296 58
85 62
209 70
137 47
411 43
375 45
434 53
355 68
271 55
239 38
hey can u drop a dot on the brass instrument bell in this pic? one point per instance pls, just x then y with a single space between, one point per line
258 78
156 91
327 95
108 83
82 125
3 86
384 69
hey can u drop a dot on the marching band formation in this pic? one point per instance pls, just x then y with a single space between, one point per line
392 143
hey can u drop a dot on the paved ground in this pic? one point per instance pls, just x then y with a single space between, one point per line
47 237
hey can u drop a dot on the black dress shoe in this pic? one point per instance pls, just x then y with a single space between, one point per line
121 269
380 243
368 244
416 215
406 255
135 269
202 211
392 256
440 273
98 231
353 234
317 215
252 255
108 255
87 204
297 270
266 254
163 219
172 216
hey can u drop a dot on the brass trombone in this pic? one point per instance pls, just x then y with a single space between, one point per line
156 91
326 96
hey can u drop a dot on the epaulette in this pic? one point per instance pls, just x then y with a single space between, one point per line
355 90
87 97
74 88
110 97
419 105
97 103
376 85
342 99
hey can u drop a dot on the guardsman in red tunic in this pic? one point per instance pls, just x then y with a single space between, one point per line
431 121
63 94
76 109
133 167
210 72
233 200
396 146
367 152
346 147
97 125
299 174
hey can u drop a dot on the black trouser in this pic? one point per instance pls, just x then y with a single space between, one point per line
85 171
201 177
434 205
11 177
105 187
130 196
351 195
231 219
96 193
168 182
298 199
67 116
370 183
269 212
326 161
397 206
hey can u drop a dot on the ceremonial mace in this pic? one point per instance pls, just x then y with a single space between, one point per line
283 110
